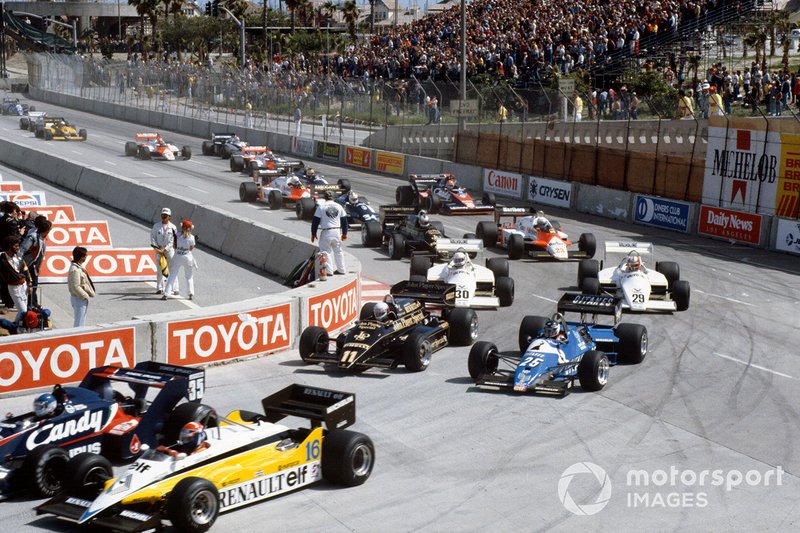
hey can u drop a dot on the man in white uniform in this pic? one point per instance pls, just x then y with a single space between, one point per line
162 239
331 219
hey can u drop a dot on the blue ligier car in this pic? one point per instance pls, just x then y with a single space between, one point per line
12 106
554 352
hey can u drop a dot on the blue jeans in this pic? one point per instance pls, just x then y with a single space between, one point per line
79 306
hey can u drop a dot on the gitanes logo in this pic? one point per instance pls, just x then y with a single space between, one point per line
603 492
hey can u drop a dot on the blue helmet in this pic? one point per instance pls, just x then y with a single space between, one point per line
44 405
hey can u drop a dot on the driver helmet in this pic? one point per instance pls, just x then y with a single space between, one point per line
160 139
634 262
192 433
311 172
381 311
450 183
294 181
352 198
44 405
551 329
423 218
459 259
540 214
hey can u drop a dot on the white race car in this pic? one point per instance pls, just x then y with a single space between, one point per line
476 287
642 288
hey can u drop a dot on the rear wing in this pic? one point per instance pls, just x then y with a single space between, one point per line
37 114
450 246
332 408
255 150
393 213
425 181
222 136
266 175
624 247
147 135
182 381
590 304
322 187
513 212
425 291
48 120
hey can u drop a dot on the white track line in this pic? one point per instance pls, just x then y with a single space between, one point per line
110 163
544 298
77 152
751 365
196 189
723 297
148 174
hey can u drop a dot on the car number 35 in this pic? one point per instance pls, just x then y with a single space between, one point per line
196 389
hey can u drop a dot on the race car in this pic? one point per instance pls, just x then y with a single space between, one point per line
476 286
554 352
289 167
357 208
406 332
153 146
641 288
441 192
278 190
96 417
32 119
222 143
243 161
58 129
532 236
12 106
407 232
243 458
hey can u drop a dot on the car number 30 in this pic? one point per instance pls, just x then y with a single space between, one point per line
462 294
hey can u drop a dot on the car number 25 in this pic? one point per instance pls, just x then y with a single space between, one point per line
196 388
531 361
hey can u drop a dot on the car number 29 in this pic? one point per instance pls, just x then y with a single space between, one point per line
196 388
637 298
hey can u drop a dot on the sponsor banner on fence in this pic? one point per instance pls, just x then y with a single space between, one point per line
661 213
335 309
11 186
25 199
56 213
358 157
787 237
302 146
115 264
92 234
64 359
502 182
729 224
390 163
328 150
210 339
549 192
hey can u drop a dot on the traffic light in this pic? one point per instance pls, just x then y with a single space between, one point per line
215 8
208 8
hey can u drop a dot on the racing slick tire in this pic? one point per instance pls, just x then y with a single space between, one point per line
367 311
186 153
487 232
439 227
182 415
32 109
482 359
39 132
417 351
404 195
397 246
344 184
130 148
498 266
504 288
671 271
420 265
314 339
417 278
680 294
86 474
593 370
590 286
207 148
236 163
347 457
225 154
587 268
47 134
489 199
516 246
24 123
587 243
432 204
632 347
463 326
305 208
371 234
193 505
470 236
143 153
275 199
529 329
43 470
83 134
248 191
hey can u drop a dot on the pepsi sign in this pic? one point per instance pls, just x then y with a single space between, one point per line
667 214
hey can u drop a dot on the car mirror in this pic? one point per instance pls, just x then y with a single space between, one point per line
144 447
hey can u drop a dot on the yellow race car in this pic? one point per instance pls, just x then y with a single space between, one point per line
58 129
243 458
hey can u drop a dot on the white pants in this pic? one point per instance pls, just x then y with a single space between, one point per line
185 262
330 244
168 253
79 306
19 295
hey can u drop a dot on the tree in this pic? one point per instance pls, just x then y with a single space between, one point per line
756 39
328 9
350 14
372 16
145 8
292 6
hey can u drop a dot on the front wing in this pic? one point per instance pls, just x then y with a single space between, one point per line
126 521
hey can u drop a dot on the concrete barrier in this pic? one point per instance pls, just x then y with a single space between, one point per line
609 203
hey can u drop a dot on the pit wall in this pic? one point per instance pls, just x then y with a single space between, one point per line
263 325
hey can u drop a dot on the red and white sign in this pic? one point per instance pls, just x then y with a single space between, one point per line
65 359
209 339
117 264
502 182
92 234
729 224
56 213
25 199
11 186
335 309
358 157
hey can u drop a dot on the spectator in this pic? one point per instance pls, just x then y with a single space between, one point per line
15 274
163 238
183 259
32 249
634 107
685 109
502 113
81 288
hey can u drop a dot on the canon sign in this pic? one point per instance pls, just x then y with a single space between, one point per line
502 182
549 192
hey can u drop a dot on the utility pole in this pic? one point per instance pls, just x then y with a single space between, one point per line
241 33
461 121
3 71
267 53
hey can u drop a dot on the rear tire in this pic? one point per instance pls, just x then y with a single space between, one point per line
404 195
347 457
420 265
529 329
417 351
314 339
516 246
43 470
182 415
344 184
587 268
504 288
632 347
193 505
86 473
371 234
593 371
236 163
432 204
487 232
397 246
482 359
489 199
248 191
463 326
680 294
671 271
305 208
24 123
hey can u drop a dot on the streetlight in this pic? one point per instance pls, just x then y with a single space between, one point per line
119 22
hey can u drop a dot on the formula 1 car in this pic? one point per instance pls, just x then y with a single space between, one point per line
58 129
358 210
410 334
550 364
524 236
476 287
94 417
290 168
403 235
12 106
441 192
243 161
278 190
246 457
641 288
222 143
32 119
153 146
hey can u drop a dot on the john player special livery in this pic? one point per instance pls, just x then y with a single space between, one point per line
94 417
246 457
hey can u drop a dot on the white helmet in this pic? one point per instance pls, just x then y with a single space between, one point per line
423 218
294 181
352 198
634 262
459 259
540 214
380 311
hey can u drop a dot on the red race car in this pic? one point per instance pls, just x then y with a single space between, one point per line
441 193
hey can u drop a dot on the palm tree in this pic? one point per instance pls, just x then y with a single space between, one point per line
145 8
292 5
372 16
757 39
328 9
350 13
774 21
237 7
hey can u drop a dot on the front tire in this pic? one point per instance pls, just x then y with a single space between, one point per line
371 234
587 269
313 340
208 148
193 505
593 371
367 311
397 246
186 153
305 208
83 134
482 359
130 148
489 199
671 270
498 266
516 246
432 204
275 199
587 243
504 288
420 265
680 294
43 470
86 474
417 352
347 457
